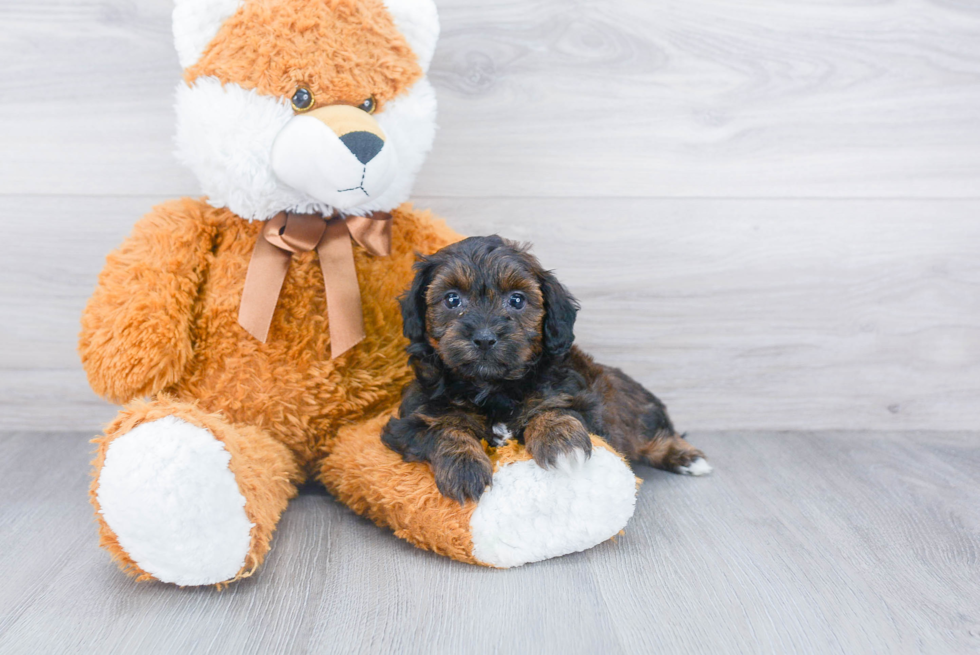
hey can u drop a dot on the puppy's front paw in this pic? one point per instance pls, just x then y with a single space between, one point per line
463 476
552 437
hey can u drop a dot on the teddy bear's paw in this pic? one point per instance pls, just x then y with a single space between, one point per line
167 493
532 513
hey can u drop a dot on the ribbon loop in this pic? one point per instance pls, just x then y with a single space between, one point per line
295 232
372 232
288 233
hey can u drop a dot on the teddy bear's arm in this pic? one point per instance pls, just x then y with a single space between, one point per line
136 329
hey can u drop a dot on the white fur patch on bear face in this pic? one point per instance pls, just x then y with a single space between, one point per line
309 157
226 136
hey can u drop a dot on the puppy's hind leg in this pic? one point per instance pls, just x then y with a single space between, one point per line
668 451
637 425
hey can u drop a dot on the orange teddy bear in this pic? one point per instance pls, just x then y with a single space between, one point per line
254 336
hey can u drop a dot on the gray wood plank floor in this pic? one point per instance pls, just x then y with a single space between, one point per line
822 542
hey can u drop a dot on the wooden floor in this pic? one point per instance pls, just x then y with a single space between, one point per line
771 213
825 542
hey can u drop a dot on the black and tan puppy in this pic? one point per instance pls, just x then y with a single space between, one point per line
491 344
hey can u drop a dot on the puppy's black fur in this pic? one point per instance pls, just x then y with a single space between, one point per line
491 335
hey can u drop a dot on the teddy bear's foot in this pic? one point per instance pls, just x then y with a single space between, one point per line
170 504
527 515
532 513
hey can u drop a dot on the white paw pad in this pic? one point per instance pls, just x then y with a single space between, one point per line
700 466
531 514
167 493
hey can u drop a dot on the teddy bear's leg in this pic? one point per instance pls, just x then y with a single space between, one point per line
529 513
186 497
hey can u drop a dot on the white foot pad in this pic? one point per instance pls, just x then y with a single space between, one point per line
700 466
531 514
168 494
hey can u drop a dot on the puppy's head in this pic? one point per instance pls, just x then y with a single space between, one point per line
487 309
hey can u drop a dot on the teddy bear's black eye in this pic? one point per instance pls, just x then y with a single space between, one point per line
368 105
517 300
452 300
302 99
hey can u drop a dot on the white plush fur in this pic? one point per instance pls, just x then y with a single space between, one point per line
308 157
168 494
531 514
700 466
409 122
418 21
225 135
196 22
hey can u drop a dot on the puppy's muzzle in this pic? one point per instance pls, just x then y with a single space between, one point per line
485 339
338 154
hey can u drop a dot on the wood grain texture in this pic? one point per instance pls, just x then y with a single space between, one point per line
774 314
822 543
683 98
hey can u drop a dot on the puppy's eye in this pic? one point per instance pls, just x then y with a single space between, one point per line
368 105
517 300
452 300
302 99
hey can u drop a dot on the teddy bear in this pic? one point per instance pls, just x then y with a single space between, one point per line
253 336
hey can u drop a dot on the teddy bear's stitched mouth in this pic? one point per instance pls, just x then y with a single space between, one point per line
359 186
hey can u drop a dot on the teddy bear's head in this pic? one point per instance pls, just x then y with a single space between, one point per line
310 106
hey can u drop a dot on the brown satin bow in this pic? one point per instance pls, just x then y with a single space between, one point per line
288 233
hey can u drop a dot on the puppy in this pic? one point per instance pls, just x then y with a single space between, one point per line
491 336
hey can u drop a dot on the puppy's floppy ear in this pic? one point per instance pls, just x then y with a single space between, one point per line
560 309
413 302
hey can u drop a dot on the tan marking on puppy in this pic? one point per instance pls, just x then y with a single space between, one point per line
495 280
668 451
552 433
344 51
461 466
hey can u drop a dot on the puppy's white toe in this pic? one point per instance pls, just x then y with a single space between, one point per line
698 467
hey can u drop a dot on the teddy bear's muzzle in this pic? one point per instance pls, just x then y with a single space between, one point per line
337 154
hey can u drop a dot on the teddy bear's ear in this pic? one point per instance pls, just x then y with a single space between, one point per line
418 21
196 22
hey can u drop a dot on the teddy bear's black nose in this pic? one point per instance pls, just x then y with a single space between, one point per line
364 145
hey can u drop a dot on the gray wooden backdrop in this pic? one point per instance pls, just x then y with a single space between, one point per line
770 210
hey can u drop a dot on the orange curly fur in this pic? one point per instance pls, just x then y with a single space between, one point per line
163 323
342 50
303 396
374 481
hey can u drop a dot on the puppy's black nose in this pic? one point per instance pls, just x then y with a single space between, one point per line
363 145
484 339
